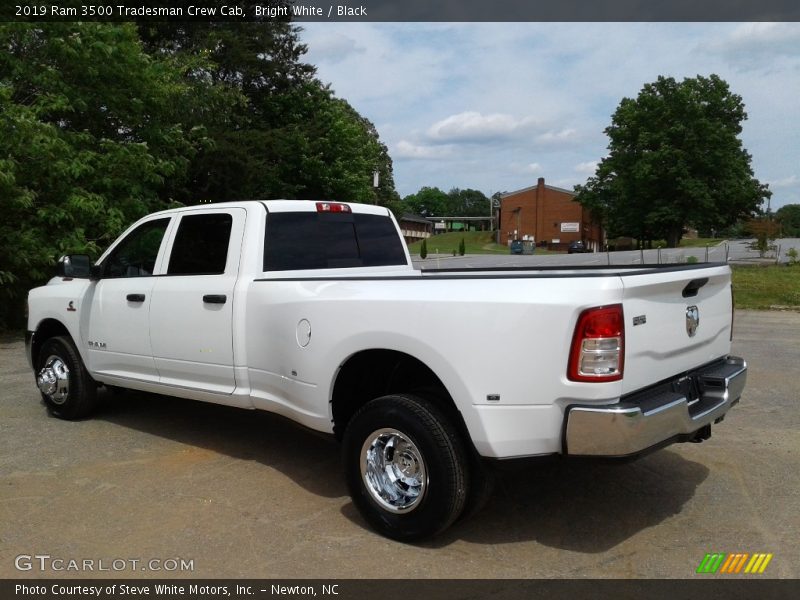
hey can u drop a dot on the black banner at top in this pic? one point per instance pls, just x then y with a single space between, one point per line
401 10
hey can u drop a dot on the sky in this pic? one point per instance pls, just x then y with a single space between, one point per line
495 106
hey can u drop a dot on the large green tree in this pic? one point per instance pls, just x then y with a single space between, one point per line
282 132
789 218
431 201
88 141
468 203
674 159
428 202
101 123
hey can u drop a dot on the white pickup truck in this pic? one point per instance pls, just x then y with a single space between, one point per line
313 310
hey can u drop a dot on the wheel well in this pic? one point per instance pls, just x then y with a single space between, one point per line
374 373
47 329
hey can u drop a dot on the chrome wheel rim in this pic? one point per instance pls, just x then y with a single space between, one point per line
393 470
53 380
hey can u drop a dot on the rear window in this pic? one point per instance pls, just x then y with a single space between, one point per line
313 240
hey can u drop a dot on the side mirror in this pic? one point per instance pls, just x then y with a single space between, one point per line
76 266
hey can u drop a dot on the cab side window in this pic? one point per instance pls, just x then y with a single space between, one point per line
136 255
201 245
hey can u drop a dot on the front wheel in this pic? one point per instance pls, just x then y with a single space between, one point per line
66 387
405 466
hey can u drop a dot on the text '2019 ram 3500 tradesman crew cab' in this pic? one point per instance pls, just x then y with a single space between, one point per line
313 310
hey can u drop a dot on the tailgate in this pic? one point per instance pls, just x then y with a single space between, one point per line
675 320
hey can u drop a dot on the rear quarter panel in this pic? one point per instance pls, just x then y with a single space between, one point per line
480 336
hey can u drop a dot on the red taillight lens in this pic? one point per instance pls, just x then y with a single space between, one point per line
598 345
334 207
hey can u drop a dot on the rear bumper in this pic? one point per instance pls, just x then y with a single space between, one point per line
675 410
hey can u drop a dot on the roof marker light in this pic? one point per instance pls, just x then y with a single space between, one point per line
335 207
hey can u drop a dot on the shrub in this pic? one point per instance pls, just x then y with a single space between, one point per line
792 255
423 251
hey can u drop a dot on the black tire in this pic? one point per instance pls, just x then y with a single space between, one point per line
418 428
481 486
81 397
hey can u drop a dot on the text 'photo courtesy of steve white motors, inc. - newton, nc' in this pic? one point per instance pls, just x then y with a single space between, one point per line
170 590
90 11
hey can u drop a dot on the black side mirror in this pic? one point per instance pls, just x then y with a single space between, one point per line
76 266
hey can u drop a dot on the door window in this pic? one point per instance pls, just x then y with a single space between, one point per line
201 245
135 256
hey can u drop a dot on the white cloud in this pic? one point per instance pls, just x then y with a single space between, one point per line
410 150
749 34
786 182
587 168
564 136
533 168
336 47
473 127
756 45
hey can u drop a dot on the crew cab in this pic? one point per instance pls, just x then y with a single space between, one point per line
313 310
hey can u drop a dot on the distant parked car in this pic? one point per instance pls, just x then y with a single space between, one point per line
576 247
522 247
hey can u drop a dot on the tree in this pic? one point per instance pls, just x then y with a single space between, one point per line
462 248
468 203
101 123
423 249
88 142
282 133
333 155
789 218
675 160
428 202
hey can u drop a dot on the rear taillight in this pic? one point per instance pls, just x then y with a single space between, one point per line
598 345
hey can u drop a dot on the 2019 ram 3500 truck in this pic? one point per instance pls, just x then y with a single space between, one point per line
313 310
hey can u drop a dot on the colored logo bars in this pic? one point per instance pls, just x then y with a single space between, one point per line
720 562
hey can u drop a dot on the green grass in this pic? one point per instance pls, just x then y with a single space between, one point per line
759 287
691 243
475 242
482 242
699 242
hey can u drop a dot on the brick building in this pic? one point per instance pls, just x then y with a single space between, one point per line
548 215
415 228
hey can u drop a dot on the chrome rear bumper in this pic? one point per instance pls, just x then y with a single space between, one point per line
672 411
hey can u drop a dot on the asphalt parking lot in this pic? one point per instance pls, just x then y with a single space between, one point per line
243 494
